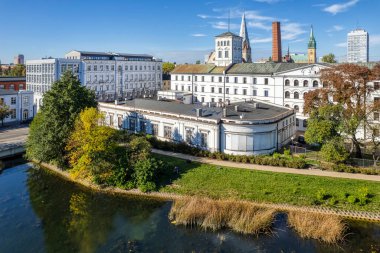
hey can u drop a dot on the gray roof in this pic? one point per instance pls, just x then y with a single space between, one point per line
8 92
263 68
227 34
12 79
265 112
113 54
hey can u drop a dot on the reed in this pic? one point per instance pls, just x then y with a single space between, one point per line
324 227
242 217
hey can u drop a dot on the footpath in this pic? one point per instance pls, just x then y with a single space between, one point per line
309 172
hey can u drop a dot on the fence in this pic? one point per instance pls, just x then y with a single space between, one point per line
315 155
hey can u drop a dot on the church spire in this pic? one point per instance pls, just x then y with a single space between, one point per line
312 48
312 43
246 46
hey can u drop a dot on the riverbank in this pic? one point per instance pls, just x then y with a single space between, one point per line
172 194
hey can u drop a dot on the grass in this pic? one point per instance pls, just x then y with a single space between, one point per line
242 217
327 228
204 180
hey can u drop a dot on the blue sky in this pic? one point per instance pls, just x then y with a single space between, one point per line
178 30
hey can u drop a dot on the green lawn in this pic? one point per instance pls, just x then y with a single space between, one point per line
222 182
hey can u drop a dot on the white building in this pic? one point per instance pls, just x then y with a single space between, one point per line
21 105
109 75
357 46
244 128
283 84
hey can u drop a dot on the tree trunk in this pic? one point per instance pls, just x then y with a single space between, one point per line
358 150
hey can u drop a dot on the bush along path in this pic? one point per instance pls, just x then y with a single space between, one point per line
313 172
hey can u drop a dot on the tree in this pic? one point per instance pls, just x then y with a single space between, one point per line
18 70
374 144
167 67
92 147
334 151
347 86
4 111
198 62
329 58
51 128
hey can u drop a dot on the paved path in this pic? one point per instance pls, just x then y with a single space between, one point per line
310 172
15 134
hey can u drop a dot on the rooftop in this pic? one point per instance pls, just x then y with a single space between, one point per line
8 92
264 113
227 34
12 79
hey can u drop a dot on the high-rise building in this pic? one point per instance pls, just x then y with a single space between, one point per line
246 47
357 46
312 48
18 59
276 42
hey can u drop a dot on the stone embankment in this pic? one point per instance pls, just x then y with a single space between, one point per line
347 214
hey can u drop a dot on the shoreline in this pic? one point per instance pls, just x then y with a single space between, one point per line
353 215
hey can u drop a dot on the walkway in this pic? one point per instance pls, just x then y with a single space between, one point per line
309 172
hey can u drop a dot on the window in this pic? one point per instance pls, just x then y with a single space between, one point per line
239 142
376 116
244 91
296 95
212 100
227 79
2 86
305 83
25 101
176 87
236 80
265 80
203 89
297 122
202 78
296 108
13 113
376 85
155 129
212 89
266 93
203 141
296 83
25 114
227 90
132 124
220 90
167 132
195 88
12 87
21 86
287 82
212 79
202 99
236 91
315 83
219 54
287 94
195 78
244 80
305 123
226 55
189 78
142 126
254 80
189 135
254 93
182 88
287 106
13 100
220 79
188 88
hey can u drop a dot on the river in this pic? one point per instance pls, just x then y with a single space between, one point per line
40 212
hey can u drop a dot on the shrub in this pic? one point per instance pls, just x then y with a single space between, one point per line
363 196
146 172
352 199
287 152
322 195
334 151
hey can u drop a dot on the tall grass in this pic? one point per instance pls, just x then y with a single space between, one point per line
324 227
242 217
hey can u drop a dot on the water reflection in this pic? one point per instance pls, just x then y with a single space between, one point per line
40 212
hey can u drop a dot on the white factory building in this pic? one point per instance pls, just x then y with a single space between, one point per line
244 128
20 104
109 75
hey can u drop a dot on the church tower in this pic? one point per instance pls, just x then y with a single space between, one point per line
312 48
246 46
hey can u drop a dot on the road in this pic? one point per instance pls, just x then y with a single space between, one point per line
13 135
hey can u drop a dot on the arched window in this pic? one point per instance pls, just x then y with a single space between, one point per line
296 95
296 108
287 82
287 106
287 94
296 83
315 83
305 83
324 84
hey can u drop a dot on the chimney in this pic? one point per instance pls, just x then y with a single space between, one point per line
236 108
199 112
224 112
276 42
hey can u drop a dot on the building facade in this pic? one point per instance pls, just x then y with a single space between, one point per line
357 46
21 105
12 83
244 128
19 59
110 75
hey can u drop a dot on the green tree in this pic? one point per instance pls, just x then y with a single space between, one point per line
51 128
4 111
18 70
92 147
198 62
139 148
334 151
329 58
146 174
167 67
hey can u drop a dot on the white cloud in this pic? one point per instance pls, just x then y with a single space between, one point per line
203 16
224 25
335 28
341 7
374 40
198 35
262 40
259 25
342 44
291 31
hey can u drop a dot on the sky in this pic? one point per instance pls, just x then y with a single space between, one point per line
180 31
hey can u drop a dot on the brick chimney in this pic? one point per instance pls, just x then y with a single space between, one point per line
276 42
